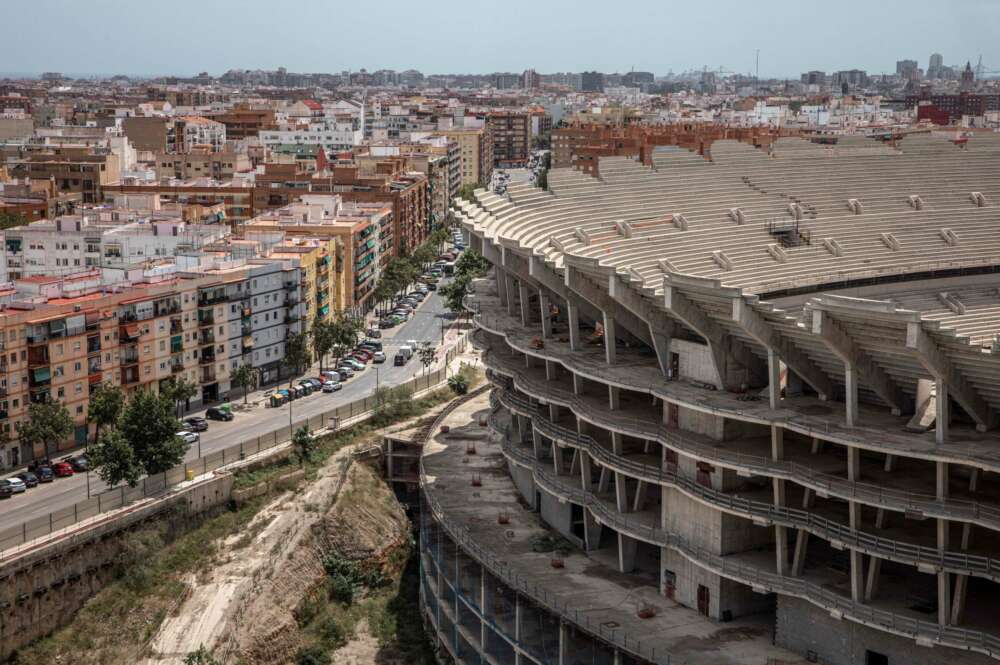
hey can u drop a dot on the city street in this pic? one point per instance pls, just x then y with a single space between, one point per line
425 325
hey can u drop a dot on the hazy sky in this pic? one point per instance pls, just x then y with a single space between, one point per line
448 36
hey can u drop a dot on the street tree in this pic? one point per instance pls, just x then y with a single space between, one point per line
114 459
472 263
323 335
245 377
48 424
304 444
428 355
454 292
150 426
179 391
296 357
105 407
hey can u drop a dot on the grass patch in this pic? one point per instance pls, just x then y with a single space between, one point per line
115 625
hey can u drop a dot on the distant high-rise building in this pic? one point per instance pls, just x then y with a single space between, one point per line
530 80
506 81
592 82
935 66
968 78
814 78
906 69
638 79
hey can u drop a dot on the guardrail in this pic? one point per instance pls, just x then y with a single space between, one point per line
767 581
14 540
763 511
876 495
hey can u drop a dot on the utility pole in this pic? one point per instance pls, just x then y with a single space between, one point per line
756 75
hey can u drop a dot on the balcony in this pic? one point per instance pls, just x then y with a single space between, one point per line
207 374
207 337
291 286
128 333
246 312
176 367
130 357
205 300
130 376
38 357
205 319
247 344
176 344
93 344
176 327
206 359
291 318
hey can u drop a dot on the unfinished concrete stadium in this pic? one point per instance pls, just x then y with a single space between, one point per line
757 390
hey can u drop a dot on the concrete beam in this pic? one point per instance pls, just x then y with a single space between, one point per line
524 299
765 334
586 289
722 347
544 305
840 343
610 339
934 361
573 322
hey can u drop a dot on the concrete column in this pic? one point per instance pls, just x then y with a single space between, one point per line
591 531
501 275
586 472
942 411
851 394
522 428
573 322
553 412
621 493
604 480
577 384
854 508
617 443
563 643
614 398
524 296
871 585
773 379
941 470
799 557
626 553
543 307
609 338
550 370
780 531
511 290
639 503
536 443
557 461
574 464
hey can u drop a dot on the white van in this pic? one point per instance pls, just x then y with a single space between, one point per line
406 350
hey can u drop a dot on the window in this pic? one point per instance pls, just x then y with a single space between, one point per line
77 367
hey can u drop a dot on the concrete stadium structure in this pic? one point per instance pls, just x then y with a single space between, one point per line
768 380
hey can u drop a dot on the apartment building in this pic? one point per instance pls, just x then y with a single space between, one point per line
243 122
221 164
102 238
333 137
236 196
82 171
511 135
475 150
323 291
201 132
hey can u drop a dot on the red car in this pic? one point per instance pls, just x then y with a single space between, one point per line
363 353
62 469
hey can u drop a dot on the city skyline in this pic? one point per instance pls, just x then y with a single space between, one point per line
135 44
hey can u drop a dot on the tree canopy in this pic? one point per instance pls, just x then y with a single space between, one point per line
105 407
148 423
48 424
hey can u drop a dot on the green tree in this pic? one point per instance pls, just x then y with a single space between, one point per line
459 384
150 426
323 335
9 220
454 292
245 377
467 192
179 391
48 423
105 407
304 443
113 457
296 357
472 263
428 354
345 331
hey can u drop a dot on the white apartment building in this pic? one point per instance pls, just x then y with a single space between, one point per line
334 137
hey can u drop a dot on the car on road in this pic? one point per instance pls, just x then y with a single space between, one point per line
371 344
332 386
374 333
5 491
378 358
399 359
78 462
16 485
45 474
215 413
28 478
196 424
64 469
345 371
189 438
356 365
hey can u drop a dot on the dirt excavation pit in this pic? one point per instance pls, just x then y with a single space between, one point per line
248 607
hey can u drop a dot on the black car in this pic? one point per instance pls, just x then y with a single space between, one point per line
5 491
196 424
215 413
431 286
30 479
45 474
79 462
374 332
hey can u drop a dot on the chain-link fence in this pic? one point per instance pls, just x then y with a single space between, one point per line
13 540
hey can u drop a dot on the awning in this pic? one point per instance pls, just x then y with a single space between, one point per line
131 330
324 310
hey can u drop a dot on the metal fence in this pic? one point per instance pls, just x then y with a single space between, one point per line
14 540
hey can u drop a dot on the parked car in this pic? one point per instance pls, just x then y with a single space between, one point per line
5 491
79 463
196 424
432 286
332 386
345 371
371 344
364 353
378 358
29 479
17 485
356 365
64 469
189 438
330 375
386 323
45 474
317 384
215 413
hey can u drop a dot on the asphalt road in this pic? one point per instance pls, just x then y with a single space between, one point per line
424 325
